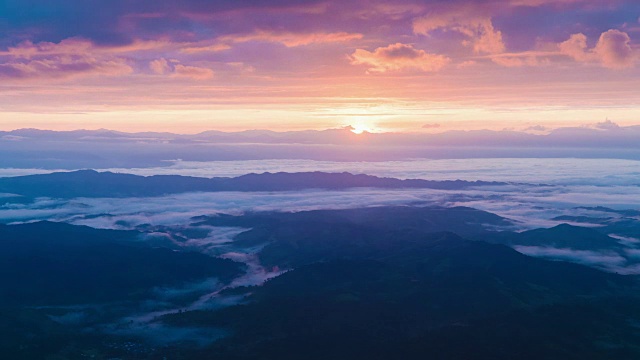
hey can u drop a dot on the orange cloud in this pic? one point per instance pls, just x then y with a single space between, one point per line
398 57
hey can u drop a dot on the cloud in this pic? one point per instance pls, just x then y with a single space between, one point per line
576 47
613 49
535 3
192 72
71 46
205 48
520 59
537 128
605 260
163 66
468 21
290 39
160 66
607 125
430 126
398 56
394 11
64 67
69 58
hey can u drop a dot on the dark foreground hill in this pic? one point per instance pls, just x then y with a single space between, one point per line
413 295
374 283
89 183
379 283
48 263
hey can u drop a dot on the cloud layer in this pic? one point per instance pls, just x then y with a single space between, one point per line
173 56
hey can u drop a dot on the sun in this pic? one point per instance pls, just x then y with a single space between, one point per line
359 129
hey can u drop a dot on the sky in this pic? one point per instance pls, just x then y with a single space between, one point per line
405 66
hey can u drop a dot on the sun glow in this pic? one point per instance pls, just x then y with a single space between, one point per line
359 129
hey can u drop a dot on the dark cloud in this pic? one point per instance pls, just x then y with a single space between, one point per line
120 21
102 21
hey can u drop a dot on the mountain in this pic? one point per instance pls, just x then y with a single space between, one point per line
46 263
616 137
104 149
560 236
90 183
374 283
412 294
298 238
625 222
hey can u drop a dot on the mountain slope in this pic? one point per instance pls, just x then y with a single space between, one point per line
48 263
89 183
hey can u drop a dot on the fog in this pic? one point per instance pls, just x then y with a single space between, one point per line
539 191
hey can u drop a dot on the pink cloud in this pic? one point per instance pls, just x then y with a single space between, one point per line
71 46
612 51
394 11
69 58
205 48
289 39
79 46
160 66
163 66
535 3
398 57
430 126
469 21
64 67
527 58
576 48
193 72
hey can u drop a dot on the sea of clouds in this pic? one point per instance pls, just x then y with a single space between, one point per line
540 190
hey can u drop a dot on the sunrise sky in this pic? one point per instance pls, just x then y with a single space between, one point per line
430 65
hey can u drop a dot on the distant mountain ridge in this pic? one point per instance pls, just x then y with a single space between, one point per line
90 183
108 149
616 136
